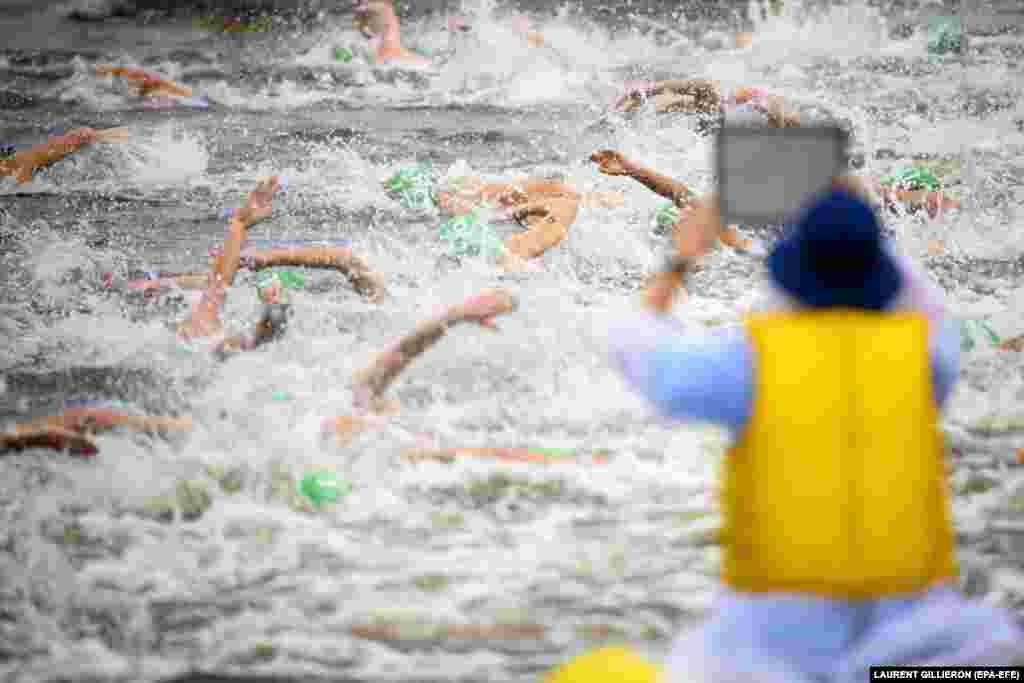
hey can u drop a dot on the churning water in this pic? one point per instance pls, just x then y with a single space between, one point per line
158 558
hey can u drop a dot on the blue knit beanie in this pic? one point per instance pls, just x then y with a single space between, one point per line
834 258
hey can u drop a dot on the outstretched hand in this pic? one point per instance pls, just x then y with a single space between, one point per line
260 204
483 308
80 137
610 162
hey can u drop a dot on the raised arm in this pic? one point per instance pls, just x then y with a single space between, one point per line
204 319
364 280
611 162
371 382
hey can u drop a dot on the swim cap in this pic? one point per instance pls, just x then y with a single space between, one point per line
413 187
912 178
470 235
607 665
287 279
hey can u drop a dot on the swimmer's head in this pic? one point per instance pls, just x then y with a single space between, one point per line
270 289
459 194
373 17
273 287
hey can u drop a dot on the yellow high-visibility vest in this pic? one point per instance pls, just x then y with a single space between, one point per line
837 487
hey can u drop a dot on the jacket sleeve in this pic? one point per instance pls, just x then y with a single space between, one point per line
710 378
945 356
686 376
922 295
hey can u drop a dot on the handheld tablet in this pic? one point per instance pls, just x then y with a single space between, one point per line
767 175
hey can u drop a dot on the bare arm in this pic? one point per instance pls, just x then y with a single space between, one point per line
205 317
703 93
99 420
365 281
613 163
547 225
45 437
373 381
24 164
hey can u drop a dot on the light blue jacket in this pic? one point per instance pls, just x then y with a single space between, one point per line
709 377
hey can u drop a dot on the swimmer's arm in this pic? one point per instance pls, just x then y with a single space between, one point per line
547 226
258 207
684 86
371 383
364 280
668 188
53 150
228 263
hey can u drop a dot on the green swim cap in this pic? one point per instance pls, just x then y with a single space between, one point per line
912 178
666 216
971 329
323 487
413 187
287 279
343 54
945 35
470 235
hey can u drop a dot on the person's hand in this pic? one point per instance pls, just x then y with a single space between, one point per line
260 205
261 200
610 162
483 308
81 137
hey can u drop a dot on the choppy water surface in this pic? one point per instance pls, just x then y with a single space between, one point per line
156 559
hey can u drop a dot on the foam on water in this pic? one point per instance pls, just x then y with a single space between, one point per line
257 585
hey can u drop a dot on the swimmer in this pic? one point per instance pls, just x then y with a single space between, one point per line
613 163
151 85
362 279
205 319
701 96
377 21
23 165
546 207
934 202
370 383
264 254
73 429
